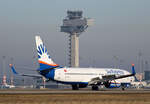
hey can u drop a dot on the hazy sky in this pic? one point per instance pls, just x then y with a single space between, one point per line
121 28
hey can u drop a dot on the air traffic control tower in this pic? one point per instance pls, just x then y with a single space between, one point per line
74 24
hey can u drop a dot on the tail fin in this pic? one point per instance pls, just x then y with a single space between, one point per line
44 58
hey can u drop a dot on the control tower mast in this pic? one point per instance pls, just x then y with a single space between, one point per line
74 24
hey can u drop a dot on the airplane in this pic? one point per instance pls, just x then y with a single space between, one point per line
78 77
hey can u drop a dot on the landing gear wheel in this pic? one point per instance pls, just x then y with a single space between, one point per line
75 87
95 87
123 88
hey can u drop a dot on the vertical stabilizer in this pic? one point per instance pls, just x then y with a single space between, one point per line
44 58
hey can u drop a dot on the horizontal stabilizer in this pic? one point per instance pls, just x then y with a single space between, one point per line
28 75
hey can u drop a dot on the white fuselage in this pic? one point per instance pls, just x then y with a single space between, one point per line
87 74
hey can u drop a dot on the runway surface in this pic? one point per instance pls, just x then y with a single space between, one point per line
44 91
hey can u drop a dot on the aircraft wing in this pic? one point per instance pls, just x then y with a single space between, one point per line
29 75
107 78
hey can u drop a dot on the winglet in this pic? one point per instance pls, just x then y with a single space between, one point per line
13 69
133 70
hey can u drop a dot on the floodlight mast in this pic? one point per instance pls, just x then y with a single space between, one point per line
74 24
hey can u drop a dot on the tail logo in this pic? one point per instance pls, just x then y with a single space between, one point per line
42 51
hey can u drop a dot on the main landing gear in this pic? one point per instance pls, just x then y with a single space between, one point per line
95 87
75 87
123 86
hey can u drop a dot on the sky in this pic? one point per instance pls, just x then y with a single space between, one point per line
121 30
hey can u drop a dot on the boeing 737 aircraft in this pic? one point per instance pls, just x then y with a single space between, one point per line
78 77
